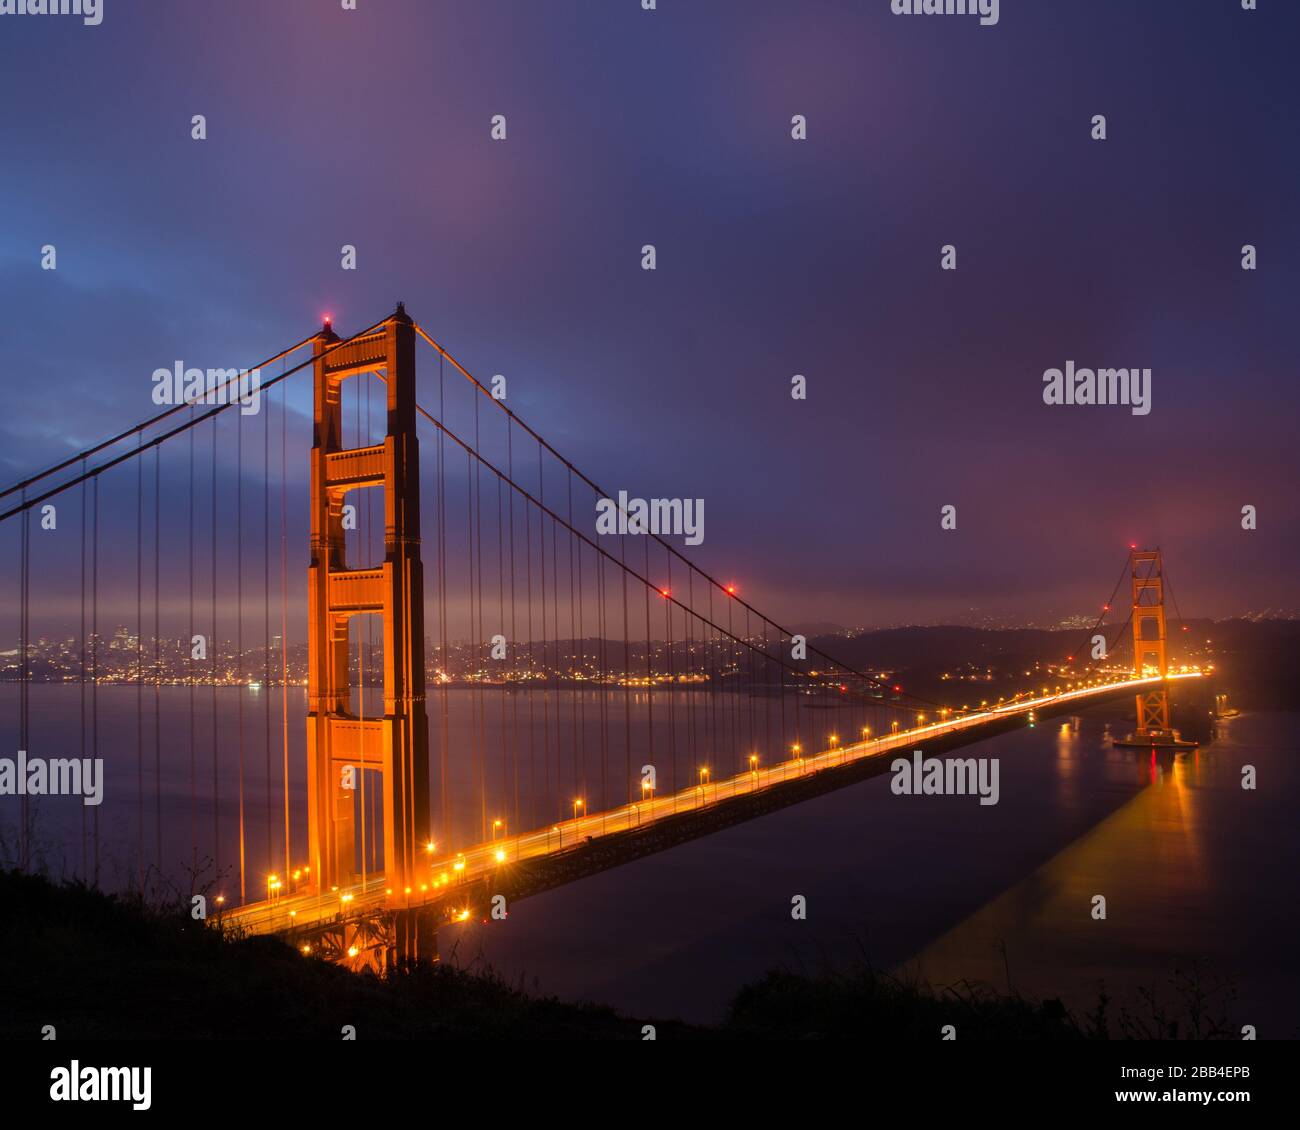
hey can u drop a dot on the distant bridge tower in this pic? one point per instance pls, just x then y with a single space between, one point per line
339 742
1149 655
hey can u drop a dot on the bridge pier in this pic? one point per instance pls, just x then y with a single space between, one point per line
415 937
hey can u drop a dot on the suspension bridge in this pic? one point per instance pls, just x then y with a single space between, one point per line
296 726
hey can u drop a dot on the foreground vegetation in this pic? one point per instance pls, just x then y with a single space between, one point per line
99 966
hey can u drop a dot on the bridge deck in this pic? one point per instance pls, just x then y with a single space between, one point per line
446 874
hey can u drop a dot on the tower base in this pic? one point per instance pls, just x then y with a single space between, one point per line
1155 738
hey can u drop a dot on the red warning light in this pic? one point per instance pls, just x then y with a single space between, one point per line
898 688
663 593
731 590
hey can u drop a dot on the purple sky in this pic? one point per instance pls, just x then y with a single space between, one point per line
775 257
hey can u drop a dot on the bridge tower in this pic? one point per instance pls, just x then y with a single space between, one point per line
341 743
1149 653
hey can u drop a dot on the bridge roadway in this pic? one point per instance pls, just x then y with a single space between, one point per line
291 911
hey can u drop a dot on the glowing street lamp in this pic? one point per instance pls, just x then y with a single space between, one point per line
577 804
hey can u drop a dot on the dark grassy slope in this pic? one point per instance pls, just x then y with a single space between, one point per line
99 967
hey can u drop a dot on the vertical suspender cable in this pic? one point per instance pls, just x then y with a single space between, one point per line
157 664
139 663
239 644
85 866
189 667
94 661
24 816
284 620
266 625
212 654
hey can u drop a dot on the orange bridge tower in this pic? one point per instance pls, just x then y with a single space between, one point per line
341 743
1149 653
